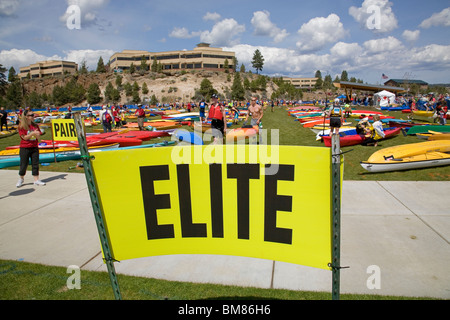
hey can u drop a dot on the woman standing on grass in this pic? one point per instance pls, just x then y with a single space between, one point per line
29 133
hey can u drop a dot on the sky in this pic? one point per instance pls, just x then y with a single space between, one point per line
403 39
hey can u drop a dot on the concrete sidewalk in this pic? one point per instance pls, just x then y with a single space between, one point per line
402 228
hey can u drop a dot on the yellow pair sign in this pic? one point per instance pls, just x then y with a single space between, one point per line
156 204
64 130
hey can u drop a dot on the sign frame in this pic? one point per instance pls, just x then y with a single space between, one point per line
336 182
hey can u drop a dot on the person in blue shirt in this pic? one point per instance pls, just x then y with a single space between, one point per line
202 106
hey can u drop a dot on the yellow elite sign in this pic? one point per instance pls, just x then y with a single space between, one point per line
64 130
253 201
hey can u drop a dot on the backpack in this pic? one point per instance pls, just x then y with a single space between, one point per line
107 117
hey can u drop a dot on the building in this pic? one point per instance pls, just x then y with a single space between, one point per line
47 69
406 82
302 83
203 57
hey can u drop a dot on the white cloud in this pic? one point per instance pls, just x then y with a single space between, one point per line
264 27
183 33
88 9
438 19
384 45
342 51
90 56
372 57
319 32
411 36
8 7
376 15
223 33
20 58
431 57
212 16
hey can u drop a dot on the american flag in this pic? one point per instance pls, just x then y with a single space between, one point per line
384 76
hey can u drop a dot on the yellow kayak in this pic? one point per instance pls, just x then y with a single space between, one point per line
15 152
4 134
410 156
423 113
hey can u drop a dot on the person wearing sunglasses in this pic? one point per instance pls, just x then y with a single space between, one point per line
29 133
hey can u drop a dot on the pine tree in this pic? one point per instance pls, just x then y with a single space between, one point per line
327 82
136 87
235 64
119 81
258 61
145 88
237 90
144 65
154 65
226 66
319 82
12 75
101 66
14 94
242 68
115 95
109 91
128 89
207 89
344 76
83 68
153 100
93 95
3 82
132 68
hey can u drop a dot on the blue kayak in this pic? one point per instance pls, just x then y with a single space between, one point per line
189 137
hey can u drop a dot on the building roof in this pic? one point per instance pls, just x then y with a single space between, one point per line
408 81
367 87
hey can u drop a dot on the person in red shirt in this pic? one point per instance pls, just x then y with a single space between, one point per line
116 116
140 113
29 133
218 119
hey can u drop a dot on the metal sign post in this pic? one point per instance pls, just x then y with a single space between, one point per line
96 205
336 214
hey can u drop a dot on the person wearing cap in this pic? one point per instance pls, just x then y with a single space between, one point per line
218 118
106 118
140 113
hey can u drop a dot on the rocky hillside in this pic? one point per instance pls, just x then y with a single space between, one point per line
167 88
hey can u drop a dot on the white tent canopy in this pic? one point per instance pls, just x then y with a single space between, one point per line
384 98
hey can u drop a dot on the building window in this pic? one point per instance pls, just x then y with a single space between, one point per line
191 56
177 56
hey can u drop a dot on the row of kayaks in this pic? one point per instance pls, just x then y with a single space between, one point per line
432 153
49 157
122 139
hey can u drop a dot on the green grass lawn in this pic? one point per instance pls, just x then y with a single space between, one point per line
27 281
292 133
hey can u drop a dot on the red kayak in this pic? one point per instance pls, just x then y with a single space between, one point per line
355 139
48 144
123 142
143 135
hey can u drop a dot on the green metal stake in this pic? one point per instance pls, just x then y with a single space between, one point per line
336 214
96 205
